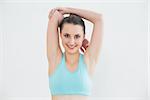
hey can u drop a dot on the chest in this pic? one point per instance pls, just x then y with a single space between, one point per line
67 82
72 67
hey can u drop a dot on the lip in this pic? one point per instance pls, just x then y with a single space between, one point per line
71 47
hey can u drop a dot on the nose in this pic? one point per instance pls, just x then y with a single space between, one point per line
72 41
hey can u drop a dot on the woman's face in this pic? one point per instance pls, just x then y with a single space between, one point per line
72 37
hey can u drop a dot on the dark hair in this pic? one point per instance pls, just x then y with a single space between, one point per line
72 19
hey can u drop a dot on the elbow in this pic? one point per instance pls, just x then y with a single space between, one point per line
98 18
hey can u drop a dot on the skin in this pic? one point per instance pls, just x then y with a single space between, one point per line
70 97
72 37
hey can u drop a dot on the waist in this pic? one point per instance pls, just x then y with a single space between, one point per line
69 97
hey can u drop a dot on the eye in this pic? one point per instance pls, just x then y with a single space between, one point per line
77 36
66 35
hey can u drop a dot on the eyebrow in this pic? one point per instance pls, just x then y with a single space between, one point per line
70 34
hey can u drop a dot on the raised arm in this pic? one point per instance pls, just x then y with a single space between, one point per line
93 49
53 48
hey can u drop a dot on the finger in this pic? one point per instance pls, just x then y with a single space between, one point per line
62 12
50 13
58 8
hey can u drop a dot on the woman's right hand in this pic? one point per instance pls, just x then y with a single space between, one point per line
54 13
63 10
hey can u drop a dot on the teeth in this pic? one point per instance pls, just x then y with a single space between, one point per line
71 47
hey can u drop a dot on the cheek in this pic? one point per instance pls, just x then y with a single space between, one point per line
79 43
64 41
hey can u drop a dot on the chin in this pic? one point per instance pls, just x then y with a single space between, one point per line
75 50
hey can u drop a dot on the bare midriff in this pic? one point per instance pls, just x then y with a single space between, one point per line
70 97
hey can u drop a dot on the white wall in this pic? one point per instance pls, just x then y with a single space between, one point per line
1 54
121 73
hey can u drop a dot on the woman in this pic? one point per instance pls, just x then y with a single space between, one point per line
70 73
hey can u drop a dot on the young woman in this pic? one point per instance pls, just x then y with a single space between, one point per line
70 73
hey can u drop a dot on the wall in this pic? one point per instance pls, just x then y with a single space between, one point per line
121 73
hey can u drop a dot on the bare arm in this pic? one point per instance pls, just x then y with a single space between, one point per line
53 48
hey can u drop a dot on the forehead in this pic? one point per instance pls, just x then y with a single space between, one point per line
72 29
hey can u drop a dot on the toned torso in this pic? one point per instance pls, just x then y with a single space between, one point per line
70 97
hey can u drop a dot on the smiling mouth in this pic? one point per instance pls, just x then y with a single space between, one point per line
71 47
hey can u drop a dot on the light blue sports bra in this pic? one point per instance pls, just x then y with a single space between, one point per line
64 82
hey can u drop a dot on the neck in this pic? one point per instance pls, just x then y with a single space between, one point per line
72 58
